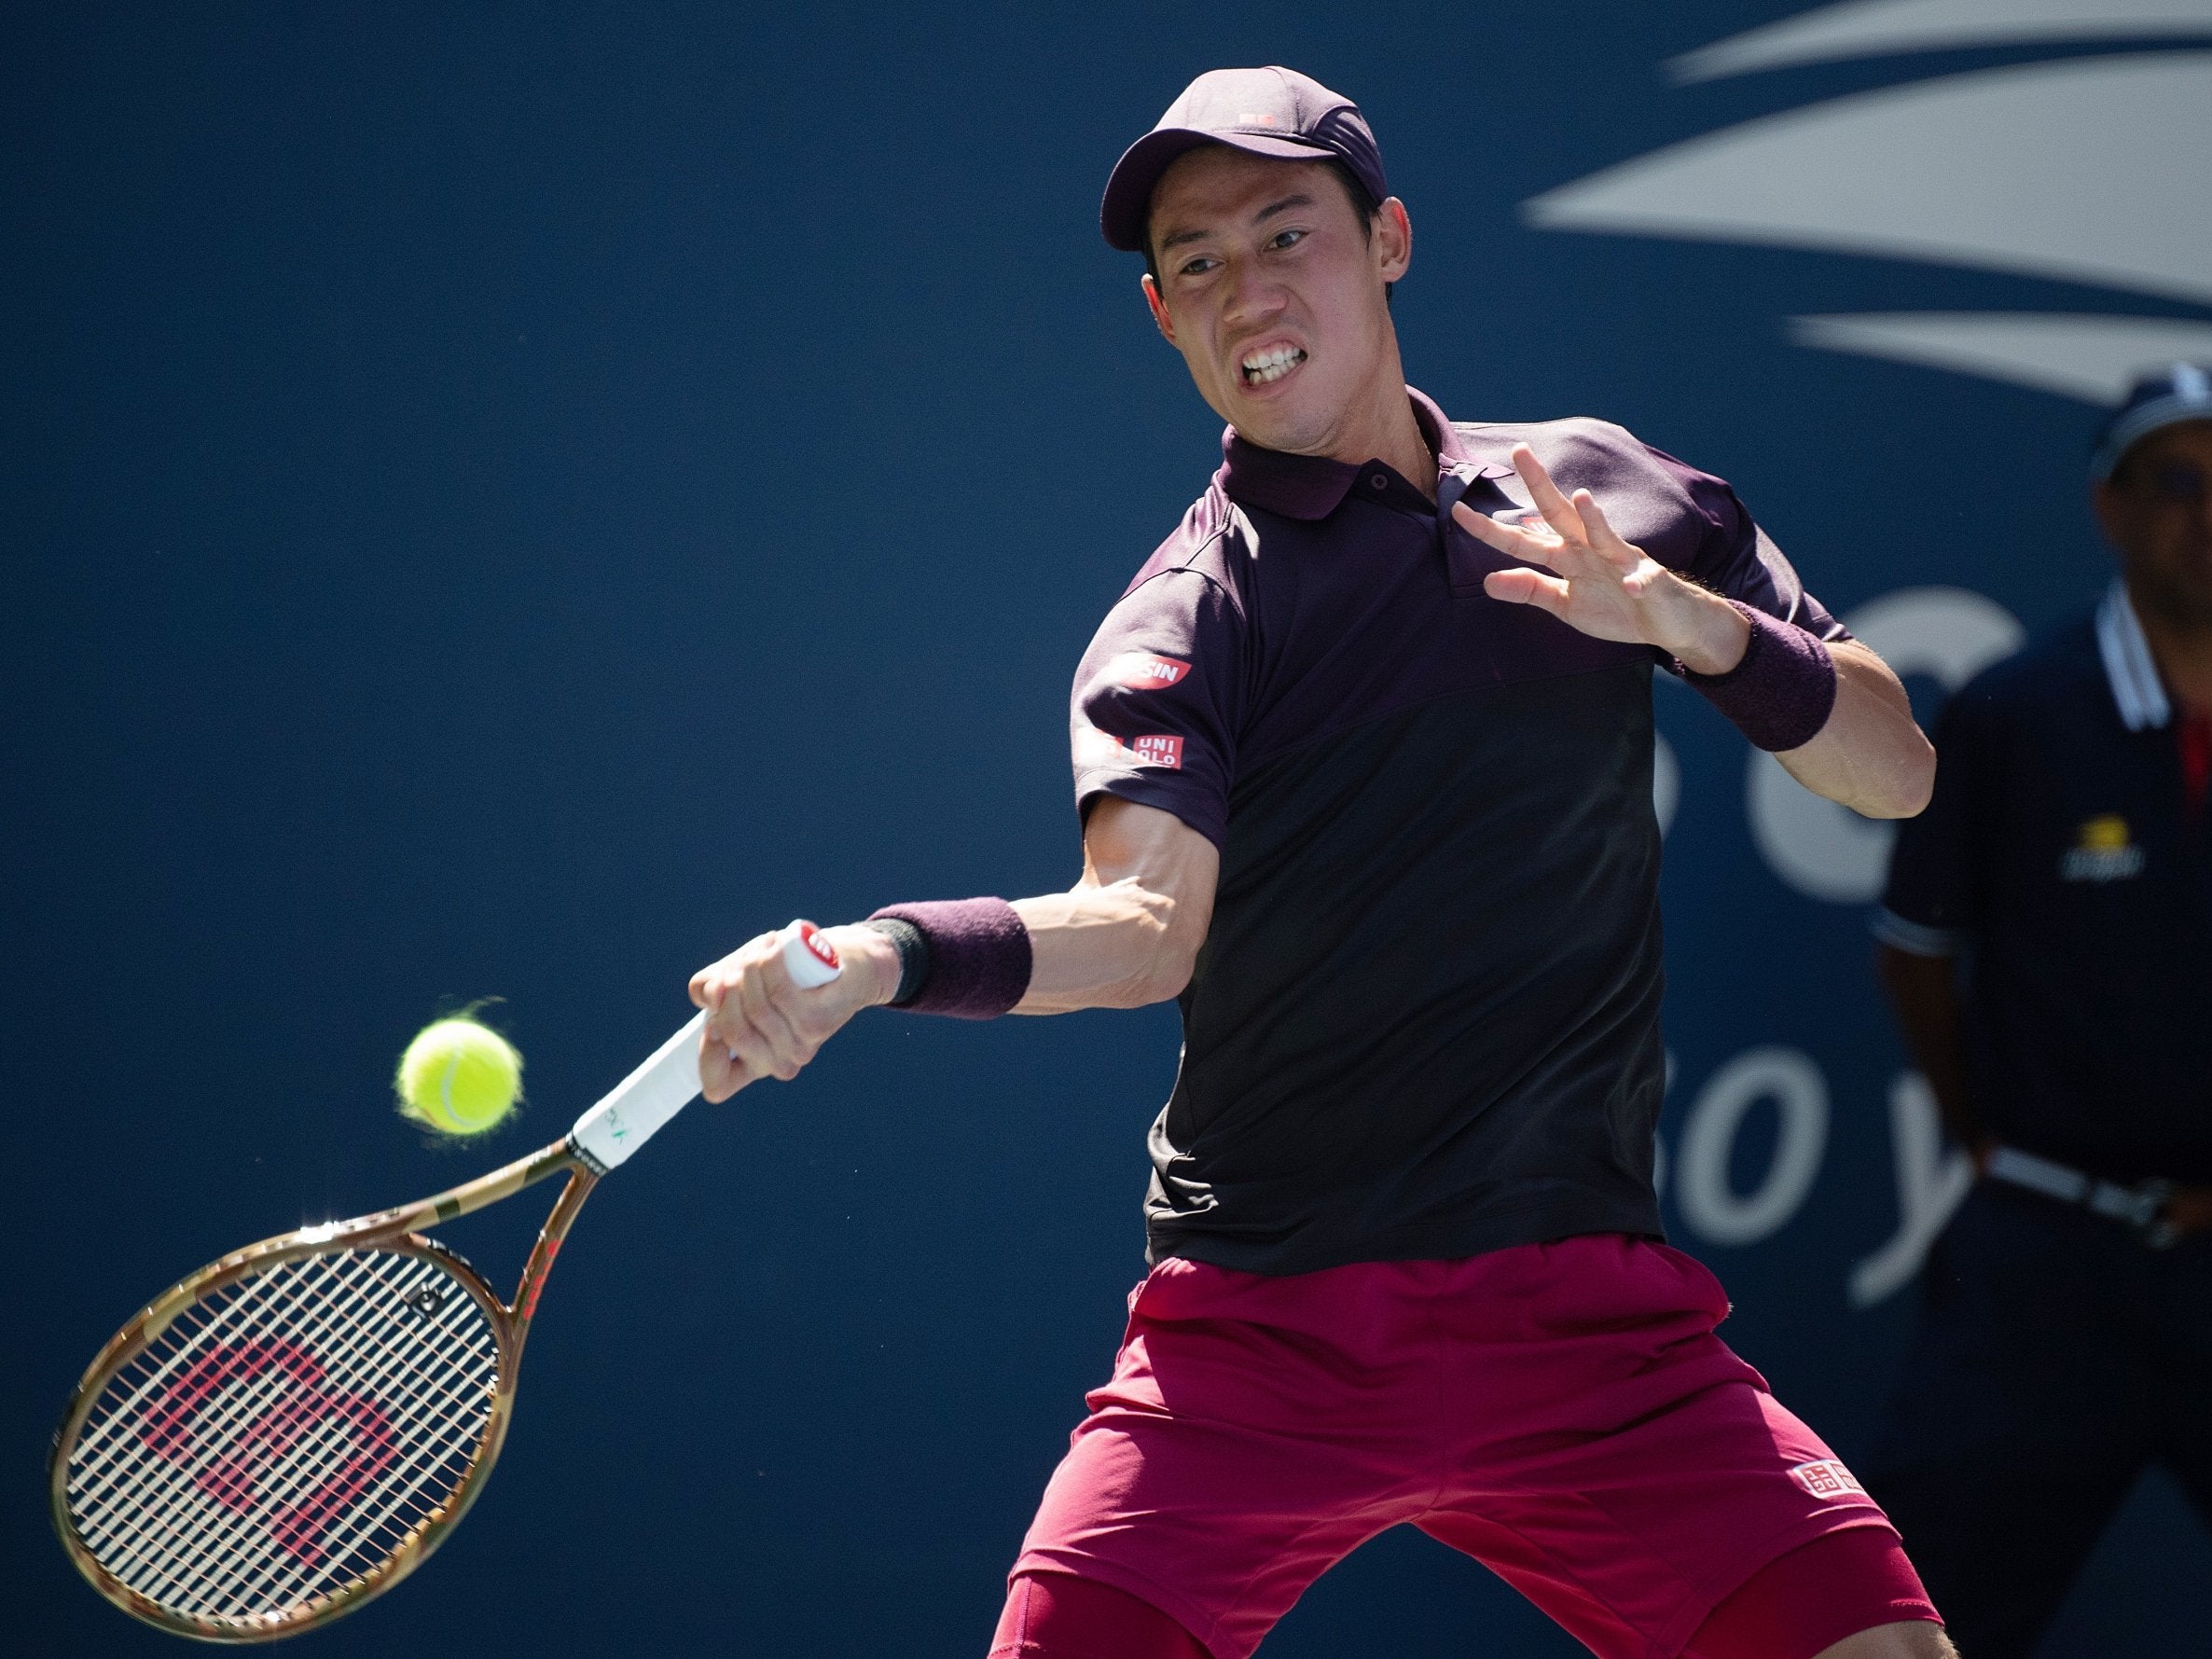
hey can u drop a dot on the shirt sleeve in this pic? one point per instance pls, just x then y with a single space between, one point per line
1158 702
1738 558
1929 905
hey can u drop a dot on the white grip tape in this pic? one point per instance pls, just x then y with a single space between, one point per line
638 1106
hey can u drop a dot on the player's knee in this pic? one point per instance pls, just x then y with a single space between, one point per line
1914 1639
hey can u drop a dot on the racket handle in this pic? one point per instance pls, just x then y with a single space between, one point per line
635 1108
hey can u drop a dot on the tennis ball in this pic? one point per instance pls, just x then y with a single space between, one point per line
458 1078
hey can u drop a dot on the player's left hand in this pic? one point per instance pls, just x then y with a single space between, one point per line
1599 583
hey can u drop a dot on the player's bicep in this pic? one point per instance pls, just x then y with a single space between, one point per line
1128 933
1124 841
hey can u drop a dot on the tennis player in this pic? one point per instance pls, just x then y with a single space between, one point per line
1364 760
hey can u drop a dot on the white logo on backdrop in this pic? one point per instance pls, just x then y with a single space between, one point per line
1714 1209
1931 1178
2087 170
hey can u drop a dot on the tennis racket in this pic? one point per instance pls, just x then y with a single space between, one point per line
291 1429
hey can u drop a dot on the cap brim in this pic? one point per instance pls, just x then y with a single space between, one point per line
1127 203
2138 423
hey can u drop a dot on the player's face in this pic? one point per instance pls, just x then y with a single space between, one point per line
1275 298
2157 510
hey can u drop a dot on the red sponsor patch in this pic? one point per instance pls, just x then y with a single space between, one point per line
1827 1479
1096 747
1140 671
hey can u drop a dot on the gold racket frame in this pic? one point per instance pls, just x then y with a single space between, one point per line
394 1230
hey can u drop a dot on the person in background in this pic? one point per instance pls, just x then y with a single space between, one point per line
2046 939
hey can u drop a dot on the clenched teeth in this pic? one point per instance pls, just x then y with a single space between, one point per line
1271 365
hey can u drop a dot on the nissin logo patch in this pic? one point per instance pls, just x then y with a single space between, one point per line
1140 671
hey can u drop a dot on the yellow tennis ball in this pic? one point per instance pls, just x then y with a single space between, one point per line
458 1078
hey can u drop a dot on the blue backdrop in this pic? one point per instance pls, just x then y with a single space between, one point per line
491 501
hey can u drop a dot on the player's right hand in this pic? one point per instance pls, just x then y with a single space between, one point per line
761 1024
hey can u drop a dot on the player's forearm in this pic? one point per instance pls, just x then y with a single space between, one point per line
1867 753
1119 946
1869 756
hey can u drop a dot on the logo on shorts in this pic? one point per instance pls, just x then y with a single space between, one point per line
1140 671
2103 853
1827 1479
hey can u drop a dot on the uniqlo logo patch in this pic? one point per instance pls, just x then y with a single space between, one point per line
1140 671
1096 747
1827 1479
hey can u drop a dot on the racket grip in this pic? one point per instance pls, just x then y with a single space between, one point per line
636 1107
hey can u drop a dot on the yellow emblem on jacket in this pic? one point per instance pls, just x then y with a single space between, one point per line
2103 852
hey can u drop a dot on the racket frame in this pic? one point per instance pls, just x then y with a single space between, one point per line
398 1231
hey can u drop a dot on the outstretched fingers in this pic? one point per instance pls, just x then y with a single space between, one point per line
1514 540
1528 587
1599 535
1559 512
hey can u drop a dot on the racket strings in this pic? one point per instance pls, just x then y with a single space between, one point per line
218 1567
287 1434
237 1305
219 1570
231 1429
266 1302
218 1425
249 1419
384 1509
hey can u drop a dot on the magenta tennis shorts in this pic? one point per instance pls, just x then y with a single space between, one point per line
1564 1412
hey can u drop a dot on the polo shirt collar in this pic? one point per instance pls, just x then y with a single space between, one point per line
2137 692
1311 487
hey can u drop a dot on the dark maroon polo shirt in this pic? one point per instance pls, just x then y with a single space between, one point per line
1425 1020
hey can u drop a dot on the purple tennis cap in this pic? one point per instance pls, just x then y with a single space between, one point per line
1267 112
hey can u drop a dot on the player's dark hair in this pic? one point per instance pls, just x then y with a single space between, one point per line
1364 208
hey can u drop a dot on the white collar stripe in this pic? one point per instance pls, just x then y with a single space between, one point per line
2137 690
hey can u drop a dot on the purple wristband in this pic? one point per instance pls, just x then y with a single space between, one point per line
979 956
1780 694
